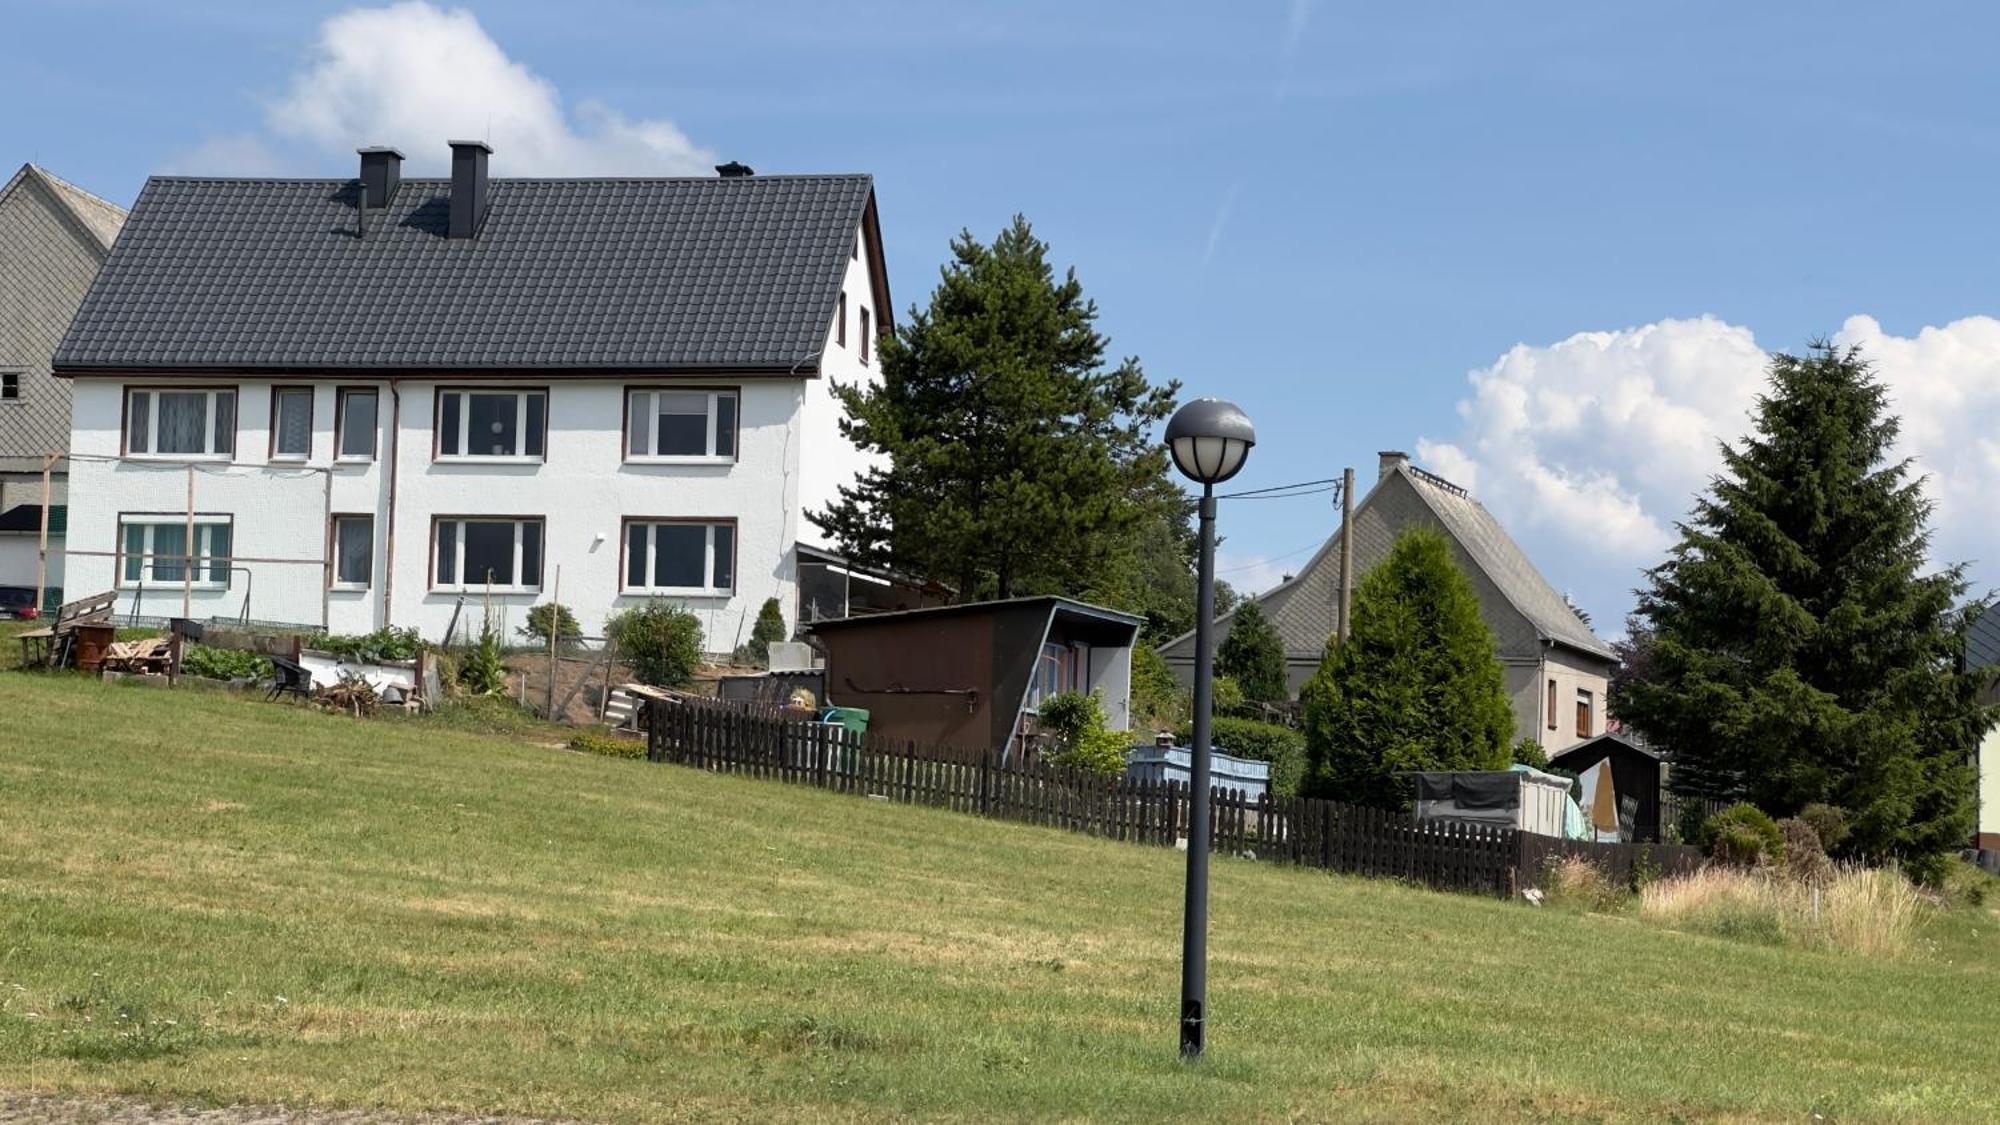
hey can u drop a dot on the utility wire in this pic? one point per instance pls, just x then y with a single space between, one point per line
1285 491
1272 559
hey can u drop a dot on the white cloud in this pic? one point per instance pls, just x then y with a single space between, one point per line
414 76
1590 448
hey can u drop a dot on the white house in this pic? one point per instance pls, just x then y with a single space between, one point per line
397 401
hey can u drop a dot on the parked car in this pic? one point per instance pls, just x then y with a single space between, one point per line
18 603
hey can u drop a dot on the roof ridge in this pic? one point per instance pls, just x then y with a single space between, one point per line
445 179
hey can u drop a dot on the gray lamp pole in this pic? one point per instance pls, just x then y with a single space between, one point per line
1209 439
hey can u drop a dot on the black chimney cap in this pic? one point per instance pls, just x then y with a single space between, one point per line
733 169
372 150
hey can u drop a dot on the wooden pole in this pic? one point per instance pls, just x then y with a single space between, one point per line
555 630
1346 551
42 562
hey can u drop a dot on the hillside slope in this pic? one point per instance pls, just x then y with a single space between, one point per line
209 898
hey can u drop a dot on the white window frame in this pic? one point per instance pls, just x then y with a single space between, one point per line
464 394
341 417
460 585
278 394
653 524
333 569
202 558
650 420
152 450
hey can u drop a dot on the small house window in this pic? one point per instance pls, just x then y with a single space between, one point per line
357 412
840 325
864 335
291 423
1583 713
10 381
479 554
487 424
681 424
353 551
1552 707
155 549
680 557
180 423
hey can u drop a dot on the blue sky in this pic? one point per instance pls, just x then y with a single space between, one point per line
1335 215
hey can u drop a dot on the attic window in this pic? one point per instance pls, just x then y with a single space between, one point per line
10 381
864 335
840 325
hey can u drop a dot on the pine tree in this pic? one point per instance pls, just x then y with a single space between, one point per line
1254 654
770 626
1795 653
1417 686
1016 461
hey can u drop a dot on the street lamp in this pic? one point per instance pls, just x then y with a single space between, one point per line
1209 439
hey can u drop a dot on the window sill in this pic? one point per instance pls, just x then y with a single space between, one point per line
183 458
682 459
175 584
289 459
675 592
354 460
483 459
482 588
349 588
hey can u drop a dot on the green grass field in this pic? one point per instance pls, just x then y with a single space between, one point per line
212 899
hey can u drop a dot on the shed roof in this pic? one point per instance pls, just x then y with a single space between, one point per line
1061 605
671 274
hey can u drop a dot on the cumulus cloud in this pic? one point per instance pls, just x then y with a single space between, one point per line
1590 448
414 75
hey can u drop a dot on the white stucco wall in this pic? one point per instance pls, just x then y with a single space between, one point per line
828 459
1989 791
583 489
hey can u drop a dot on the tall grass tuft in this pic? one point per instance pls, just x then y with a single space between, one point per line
1855 909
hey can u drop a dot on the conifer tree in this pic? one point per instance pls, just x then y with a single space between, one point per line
1015 460
1417 686
1796 651
1254 655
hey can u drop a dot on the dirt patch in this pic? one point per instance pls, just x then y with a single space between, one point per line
22 1108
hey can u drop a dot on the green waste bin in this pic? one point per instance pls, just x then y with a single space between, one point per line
855 719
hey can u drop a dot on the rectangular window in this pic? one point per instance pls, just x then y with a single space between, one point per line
353 551
1583 713
163 422
840 325
1551 708
680 557
154 549
474 554
10 383
487 424
864 335
291 423
680 425
356 415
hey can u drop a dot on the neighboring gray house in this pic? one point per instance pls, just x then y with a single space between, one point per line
1557 670
53 237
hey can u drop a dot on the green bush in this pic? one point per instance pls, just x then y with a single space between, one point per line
537 628
1528 752
1076 723
1281 746
1157 698
1253 654
770 627
369 648
607 744
482 672
661 642
1743 835
1226 694
1829 822
223 663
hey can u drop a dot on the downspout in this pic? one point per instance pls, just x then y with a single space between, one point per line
389 533
326 572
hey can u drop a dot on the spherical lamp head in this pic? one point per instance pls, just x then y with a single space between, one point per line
1210 439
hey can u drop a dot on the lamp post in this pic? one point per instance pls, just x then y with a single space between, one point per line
1209 440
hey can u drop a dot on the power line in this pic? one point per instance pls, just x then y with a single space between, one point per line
1285 491
1272 559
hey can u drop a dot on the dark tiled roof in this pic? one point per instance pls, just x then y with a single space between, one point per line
1982 640
665 274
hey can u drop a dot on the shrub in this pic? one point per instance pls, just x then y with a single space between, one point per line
1253 654
661 642
537 628
223 663
607 744
1281 746
770 627
1528 752
369 648
1076 724
1804 858
1157 697
1225 694
1744 836
482 672
1829 822
1573 881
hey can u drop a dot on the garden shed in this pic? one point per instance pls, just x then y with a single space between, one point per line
1635 775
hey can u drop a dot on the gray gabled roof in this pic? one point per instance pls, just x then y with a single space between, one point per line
1303 606
1982 640
661 275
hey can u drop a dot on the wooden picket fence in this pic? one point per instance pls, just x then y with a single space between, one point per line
767 742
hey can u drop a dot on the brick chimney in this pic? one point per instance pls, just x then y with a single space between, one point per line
1392 459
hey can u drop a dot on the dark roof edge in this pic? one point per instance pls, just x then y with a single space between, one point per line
1056 602
342 180
805 369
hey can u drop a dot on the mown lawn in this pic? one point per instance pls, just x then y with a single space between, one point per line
213 899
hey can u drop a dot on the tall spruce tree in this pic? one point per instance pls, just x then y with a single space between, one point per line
1795 651
1016 461
1254 654
1417 686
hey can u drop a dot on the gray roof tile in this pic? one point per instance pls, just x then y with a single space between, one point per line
658 274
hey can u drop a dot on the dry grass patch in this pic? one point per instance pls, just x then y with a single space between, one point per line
1872 911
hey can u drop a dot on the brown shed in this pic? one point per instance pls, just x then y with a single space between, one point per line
964 675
